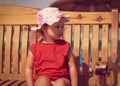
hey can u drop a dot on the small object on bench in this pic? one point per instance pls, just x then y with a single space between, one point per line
101 68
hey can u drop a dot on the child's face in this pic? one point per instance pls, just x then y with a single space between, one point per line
55 31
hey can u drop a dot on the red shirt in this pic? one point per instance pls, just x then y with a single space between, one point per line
50 60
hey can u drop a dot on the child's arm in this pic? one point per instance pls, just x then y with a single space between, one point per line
73 69
29 70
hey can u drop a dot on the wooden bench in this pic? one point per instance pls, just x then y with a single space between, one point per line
96 33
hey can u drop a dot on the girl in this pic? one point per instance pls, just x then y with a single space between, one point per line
50 61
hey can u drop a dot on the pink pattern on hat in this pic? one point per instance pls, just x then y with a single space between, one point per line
40 17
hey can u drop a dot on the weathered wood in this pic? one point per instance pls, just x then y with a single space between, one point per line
15 49
7 58
95 41
95 32
24 48
76 40
1 47
104 43
18 15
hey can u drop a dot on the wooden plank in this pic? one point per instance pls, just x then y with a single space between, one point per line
20 83
104 43
88 17
15 47
1 48
29 16
25 15
85 44
24 47
95 40
23 83
9 83
114 77
12 76
114 35
3 82
114 41
7 58
13 83
104 52
85 47
94 80
77 46
76 40
67 33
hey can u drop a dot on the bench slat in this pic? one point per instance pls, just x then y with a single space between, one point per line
8 82
7 58
85 44
15 50
3 82
114 35
20 83
95 41
1 48
105 43
85 47
76 40
12 83
24 47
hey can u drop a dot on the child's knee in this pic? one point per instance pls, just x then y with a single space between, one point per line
62 82
43 81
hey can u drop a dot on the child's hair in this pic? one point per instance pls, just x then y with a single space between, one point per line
40 30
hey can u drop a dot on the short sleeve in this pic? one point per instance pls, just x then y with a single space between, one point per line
32 49
66 48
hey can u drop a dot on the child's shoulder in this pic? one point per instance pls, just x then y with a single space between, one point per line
35 44
62 41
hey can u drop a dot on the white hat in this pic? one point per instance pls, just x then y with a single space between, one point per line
49 15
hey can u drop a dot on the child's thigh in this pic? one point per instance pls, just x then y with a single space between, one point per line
62 82
43 81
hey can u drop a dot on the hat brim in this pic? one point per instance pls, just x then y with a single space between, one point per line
66 18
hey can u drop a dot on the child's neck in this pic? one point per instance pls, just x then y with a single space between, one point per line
48 41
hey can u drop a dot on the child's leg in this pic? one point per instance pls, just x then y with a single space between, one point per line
43 81
62 82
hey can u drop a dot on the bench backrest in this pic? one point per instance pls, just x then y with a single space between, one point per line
96 33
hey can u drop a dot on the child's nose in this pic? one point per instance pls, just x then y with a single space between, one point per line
61 30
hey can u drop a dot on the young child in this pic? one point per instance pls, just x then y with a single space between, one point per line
50 61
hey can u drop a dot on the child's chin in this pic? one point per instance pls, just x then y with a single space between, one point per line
58 38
